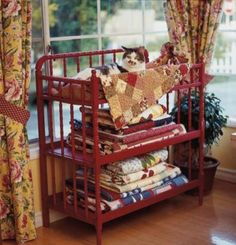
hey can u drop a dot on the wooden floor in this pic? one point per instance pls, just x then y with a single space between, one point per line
171 222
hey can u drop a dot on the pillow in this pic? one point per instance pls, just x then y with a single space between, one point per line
76 92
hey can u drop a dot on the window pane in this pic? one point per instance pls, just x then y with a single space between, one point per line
223 66
114 42
224 88
36 17
74 45
154 43
72 18
224 59
124 16
154 16
228 20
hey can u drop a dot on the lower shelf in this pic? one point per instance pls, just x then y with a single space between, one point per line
57 204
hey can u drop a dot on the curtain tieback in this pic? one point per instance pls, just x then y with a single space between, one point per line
15 112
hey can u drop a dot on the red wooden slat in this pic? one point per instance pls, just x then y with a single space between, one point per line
168 102
90 61
75 203
78 64
64 67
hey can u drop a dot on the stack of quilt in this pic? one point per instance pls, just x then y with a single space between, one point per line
129 181
112 140
134 117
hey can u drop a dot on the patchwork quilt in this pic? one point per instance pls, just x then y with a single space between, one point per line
108 146
109 205
129 94
105 119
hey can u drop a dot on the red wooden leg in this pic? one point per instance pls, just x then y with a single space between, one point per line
200 190
46 220
99 232
0 234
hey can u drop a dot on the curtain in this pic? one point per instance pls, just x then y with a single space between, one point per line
16 190
192 26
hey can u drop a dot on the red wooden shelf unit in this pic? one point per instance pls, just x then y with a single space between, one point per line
59 161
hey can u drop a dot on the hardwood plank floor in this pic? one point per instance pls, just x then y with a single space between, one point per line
178 221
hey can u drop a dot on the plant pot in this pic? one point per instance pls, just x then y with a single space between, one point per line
210 166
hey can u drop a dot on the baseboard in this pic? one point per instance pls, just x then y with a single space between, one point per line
54 216
226 174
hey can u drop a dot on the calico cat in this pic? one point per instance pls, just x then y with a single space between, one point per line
133 60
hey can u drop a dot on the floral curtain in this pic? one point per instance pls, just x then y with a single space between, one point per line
192 27
16 192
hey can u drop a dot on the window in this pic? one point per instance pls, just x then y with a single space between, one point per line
224 61
37 51
84 25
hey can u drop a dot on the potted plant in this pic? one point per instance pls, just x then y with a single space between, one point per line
214 122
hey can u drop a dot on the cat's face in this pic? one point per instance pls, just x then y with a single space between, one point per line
133 59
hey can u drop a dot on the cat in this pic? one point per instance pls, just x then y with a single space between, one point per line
133 60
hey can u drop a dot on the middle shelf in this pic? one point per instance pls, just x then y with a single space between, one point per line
55 149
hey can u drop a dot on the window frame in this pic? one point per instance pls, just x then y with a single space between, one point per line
231 122
48 39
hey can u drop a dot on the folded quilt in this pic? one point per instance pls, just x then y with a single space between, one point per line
139 163
141 134
91 201
102 121
106 205
129 94
111 177
108 146
105 119
170 171
119 203
157 122
80 185
106 194
116 135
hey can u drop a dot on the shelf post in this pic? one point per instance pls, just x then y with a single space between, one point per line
202 131
96 155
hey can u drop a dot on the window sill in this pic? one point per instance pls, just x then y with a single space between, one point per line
231 122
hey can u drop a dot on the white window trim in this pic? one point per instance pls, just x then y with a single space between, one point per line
231 122
45 25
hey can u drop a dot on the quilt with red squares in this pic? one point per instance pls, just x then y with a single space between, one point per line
130 94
